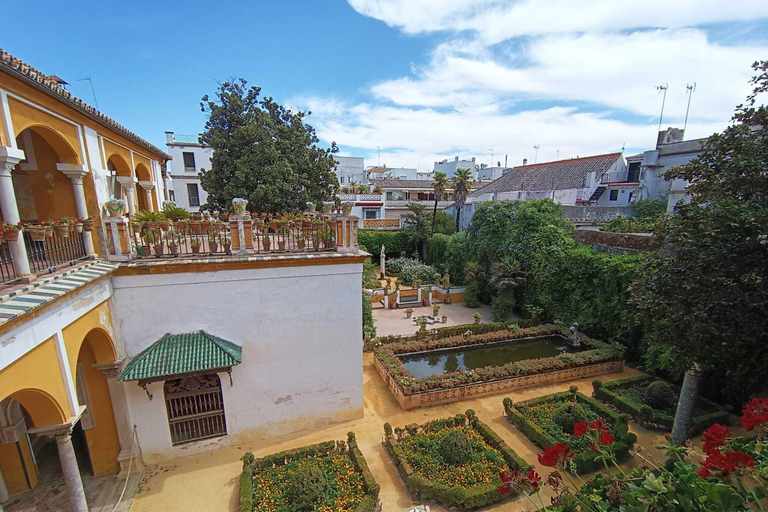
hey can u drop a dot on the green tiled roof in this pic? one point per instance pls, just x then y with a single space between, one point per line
176 354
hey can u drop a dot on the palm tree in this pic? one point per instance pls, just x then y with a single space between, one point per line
462 179
438 185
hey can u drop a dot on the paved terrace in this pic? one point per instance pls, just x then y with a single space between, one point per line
210 481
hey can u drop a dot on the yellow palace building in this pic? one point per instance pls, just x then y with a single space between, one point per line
126 342
61 158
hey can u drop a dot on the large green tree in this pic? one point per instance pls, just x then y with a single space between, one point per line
704 299
461 181
416 226
438 185
263 152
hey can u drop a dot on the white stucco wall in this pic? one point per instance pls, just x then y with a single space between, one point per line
301 332
180 176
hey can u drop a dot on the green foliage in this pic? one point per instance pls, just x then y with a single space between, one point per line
439 184
455 448
148 216
307 487
660 395
263 152
445 224
416 225
471 277
461 181
568 414
437 249
417 271
369 327
649 208
246 484
175 213
370 274
394 242
704 300
621 225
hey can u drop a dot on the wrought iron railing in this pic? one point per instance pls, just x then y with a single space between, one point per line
7 272
54 251
294 236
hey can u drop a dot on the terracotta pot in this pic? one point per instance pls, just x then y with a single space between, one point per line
226 247
87 225
174 249
181 227
152 226
301 243
165 225
79 227
159 249
195 249
145 250
281 245
273 224
267 245
49 231
205 225
71 227
214 247
62 231
11 235
36 233
447 299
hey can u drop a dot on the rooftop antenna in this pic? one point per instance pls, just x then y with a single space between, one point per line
558 154
662 89
88 79
689 91
624 145
491 150
378 156
536 155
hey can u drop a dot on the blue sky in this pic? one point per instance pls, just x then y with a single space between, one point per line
421 79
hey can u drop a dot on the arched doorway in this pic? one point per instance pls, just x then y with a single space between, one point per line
42 191
98 421
142 196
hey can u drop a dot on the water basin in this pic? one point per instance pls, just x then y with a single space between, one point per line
436 362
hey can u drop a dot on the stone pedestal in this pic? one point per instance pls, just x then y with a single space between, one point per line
119 246
346 233
242 235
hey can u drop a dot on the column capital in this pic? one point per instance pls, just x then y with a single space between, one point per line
111 370
75 172
147 185
127 182
9 157
62 430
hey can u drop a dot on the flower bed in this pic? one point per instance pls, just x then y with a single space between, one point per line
465 478
386 356
627 395
536 419
342 481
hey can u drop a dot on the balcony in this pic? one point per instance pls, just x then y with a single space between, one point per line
428 203
615 177
362 197
381 224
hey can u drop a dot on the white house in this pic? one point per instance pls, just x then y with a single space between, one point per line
350 169
190 159
449 166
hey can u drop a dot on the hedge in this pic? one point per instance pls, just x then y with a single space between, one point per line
585 461
394 242
369 503
246 484
649 417
464 498
387 354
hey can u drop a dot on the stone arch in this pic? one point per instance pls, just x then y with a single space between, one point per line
142 173
117 163
98 420
66 153
42 408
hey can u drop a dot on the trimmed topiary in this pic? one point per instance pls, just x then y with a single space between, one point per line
568 414
660 395
307 487
455 448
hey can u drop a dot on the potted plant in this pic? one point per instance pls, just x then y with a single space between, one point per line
194 226
195 244
148 238
444 318
447 298
282 232
11 231
78 225
408 312
213 241
174 213
62 227
181 227
422 323
425 293
159 249
266 241
115 207
36 233
173 247
88 224
301 240
205 225
48 227
238 205
435 309
477 317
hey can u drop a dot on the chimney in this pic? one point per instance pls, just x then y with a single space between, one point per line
525 161
169 138
473 159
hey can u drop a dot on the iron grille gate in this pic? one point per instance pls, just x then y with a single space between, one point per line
195 408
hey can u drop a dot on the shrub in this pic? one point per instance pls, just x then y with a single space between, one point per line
660 395
308 486
455 448
246 484
369 328
437 249
417 271
568 414
393 242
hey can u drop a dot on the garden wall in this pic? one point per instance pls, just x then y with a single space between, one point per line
605 240
444 396
300 328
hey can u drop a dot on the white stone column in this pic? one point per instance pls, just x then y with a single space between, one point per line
148 186
9 157
76 173
129 184
112 371
4 494
71 472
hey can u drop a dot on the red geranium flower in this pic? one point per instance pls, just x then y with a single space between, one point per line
715 437
599 426
580 428
755 413
533 478
594 449
508 481
554 454
607 439
725 464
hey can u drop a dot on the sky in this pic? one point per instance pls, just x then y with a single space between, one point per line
410 82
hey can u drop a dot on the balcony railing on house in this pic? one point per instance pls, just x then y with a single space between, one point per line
615 177
215 238
7 272
361 197
381 223
54 251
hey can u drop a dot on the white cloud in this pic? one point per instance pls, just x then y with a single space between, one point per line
615 70
497 20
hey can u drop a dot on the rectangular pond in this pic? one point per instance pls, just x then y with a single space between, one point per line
436 362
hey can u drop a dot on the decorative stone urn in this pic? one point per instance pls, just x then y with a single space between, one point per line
238 205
